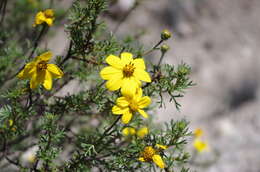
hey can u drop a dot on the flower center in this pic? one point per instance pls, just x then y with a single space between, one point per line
42 65
148 153
128 70
133 106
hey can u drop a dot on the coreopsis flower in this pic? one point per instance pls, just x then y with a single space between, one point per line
40 72
126 106
149 154
46 16
200 145
124 72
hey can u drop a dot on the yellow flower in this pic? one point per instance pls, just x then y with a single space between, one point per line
149 154
125 73
142 132
40 72
46 16
128 131
126 106
200 145
198 132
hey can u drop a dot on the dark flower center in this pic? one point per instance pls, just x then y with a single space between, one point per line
128 70
42 65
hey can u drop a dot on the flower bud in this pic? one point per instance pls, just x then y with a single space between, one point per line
165 34
164 48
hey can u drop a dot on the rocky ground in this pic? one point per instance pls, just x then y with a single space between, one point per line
220 40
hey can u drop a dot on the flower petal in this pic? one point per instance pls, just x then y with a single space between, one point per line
122 102
129 87
44 57
139 63
141 159
54 70
114 84
110 72
47 81
27 71
115 61
49 21
143 113
144 102
117 110
126 117
163 147
126 57
157 159
34 82
142 75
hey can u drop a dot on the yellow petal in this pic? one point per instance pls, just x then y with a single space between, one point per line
141 159
122 102
143 113
49 13
47 81
161 146
114 61
34 82
117 110
142 75
139 63
27 71
157 159
49 21
129 87
39 18
114 84
126 117
54 70
144 102
142 132
126 57
44 57
110 72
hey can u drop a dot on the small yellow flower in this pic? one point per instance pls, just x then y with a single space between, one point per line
124 72
40 72
150 154
200 145
46 16
198 133
142 132
11 122
128 131
126 106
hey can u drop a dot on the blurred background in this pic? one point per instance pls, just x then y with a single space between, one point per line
220 40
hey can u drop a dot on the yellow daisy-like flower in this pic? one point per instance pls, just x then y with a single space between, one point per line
40 72
124 72
46 16
198 132
200 145
126 106
150 154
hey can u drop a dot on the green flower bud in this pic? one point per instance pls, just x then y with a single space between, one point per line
165 34
164 48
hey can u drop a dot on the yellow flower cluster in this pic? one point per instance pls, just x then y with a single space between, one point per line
130 131
198 143
46 16
126 73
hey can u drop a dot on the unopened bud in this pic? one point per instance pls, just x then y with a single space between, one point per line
164 48
166 34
